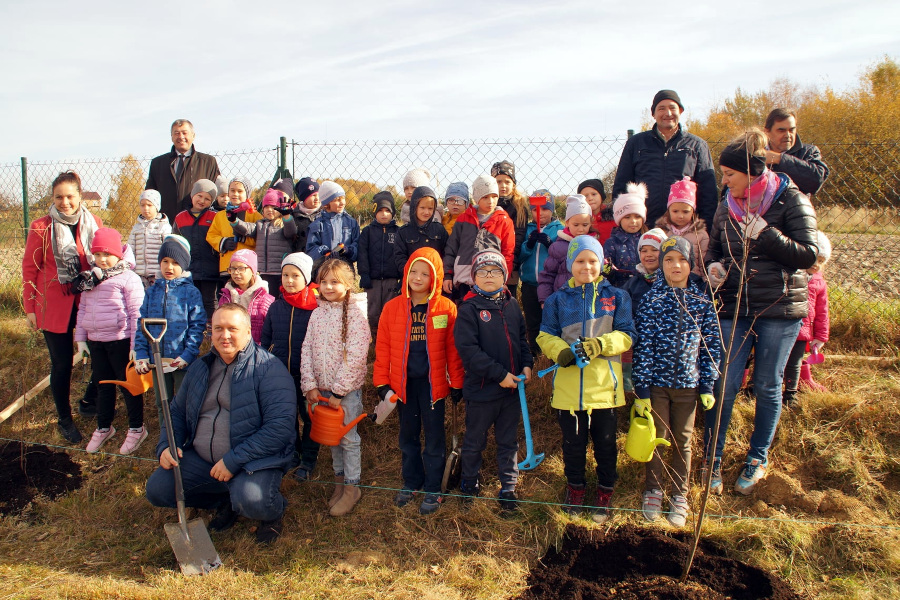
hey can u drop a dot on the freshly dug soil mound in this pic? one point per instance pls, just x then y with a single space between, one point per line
29 471
636 563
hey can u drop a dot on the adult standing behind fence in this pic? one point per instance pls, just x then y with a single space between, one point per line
787 154
762 240
56 252
174 173
664 155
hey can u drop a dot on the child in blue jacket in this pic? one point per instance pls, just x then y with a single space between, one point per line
283 333
621 249
333 228
172 297
378 272
675 366
585 399
531 262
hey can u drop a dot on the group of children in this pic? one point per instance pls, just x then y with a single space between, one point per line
439 293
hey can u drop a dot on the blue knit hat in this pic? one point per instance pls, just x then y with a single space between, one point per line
457 189
677 244
178 249
579 244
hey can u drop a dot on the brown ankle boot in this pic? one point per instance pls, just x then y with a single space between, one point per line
338 490
347 501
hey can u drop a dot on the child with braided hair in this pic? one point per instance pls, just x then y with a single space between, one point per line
333 366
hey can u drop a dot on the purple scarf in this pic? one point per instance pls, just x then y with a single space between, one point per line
760 195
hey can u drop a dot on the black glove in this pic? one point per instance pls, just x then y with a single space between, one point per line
365 282
383 391
533 239
285 210
231 215
544 239
455 395
341 251
228 244
566 358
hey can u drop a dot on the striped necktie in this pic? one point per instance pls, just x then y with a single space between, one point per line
179 167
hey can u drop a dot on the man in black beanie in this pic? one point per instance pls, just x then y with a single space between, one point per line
664 155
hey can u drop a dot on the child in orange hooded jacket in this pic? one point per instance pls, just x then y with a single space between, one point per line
416 358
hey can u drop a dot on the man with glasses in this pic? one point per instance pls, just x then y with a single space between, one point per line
174 173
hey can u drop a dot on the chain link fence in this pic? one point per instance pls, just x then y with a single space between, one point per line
859 206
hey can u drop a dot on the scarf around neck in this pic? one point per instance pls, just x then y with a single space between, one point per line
305 298
65 248
760 195
88 280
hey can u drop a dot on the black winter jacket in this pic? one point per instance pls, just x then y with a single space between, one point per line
176 197
377 248
659 164
204 259
804 165
775 283
284 331
491 342
303 222
413 236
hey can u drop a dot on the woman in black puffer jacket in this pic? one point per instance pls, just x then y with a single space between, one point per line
763 238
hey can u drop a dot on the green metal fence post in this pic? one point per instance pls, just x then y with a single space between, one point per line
25 192
281 171
630 133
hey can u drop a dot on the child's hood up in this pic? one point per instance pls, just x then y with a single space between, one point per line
430 257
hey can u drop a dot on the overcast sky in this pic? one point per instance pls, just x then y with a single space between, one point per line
101 79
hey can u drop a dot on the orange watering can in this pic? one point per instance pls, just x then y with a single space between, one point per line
134 382
328 423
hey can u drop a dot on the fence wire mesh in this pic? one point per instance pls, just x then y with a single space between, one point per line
859 206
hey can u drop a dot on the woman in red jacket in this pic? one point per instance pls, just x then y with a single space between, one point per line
56 252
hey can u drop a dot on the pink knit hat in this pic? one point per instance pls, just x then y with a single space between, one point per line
273 198
248 257
683 191
631 202
107 240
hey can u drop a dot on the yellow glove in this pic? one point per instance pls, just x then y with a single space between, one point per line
642 407
593 347
707 401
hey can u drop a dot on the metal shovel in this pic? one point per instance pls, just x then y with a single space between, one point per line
532 460
453 468
190 540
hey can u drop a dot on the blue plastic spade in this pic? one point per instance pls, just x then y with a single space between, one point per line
532 460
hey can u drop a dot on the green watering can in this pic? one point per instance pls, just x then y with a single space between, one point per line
642 440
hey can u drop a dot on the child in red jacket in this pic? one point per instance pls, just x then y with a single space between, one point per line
415 358
813 331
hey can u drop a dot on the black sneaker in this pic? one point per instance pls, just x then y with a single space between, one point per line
69 431
268 531
224 518
87 409
469 491
508 500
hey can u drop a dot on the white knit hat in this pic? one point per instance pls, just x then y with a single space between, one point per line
824 245
632 202
302 261
654 238
415 178
329 191
154 197
576 204
482 186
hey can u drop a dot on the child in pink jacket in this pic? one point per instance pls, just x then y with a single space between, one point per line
813 331
111 297
333 366
248 289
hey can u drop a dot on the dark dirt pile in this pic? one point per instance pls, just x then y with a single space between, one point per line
631 562
28 471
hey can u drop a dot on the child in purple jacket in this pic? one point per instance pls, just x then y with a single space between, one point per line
111 297
555 274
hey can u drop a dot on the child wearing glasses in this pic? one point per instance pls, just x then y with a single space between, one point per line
490 338
457 201
247 288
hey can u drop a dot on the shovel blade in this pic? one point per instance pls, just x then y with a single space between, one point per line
452 472
195 553
531 462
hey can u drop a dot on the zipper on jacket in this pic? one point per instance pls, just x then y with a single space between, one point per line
290 336
512 362
583 332
218 412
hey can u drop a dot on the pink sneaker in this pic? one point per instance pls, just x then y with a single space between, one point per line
99 438
133 440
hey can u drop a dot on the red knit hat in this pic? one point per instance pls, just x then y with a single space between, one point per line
107 240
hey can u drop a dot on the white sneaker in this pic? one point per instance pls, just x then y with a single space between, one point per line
651 506
678 511
133 440
99 438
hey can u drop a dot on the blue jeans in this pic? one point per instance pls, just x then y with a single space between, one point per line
254 495
422 469
773 340
346 458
